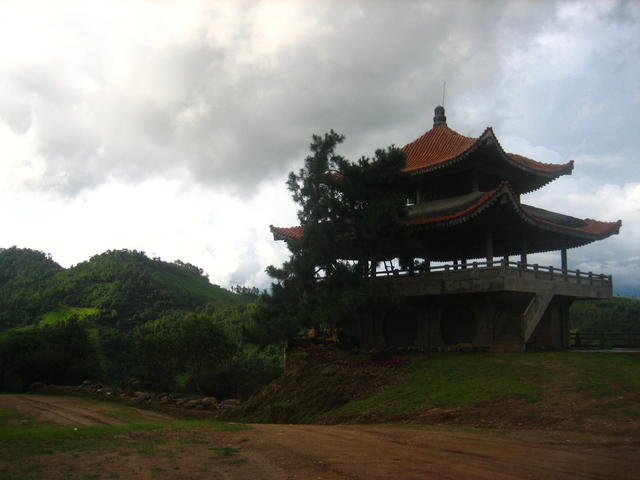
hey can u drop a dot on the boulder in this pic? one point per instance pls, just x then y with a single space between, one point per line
140 397
209 402
36 386
191 404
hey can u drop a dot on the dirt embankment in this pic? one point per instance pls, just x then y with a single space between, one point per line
280 452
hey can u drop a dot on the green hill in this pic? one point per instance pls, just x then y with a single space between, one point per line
614 315
24 277
125 319
124 287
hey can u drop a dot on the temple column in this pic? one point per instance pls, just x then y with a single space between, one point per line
488 245
523 251
563 259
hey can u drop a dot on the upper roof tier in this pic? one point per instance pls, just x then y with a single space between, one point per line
441 149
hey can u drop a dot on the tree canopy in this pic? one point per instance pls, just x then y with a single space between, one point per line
352 216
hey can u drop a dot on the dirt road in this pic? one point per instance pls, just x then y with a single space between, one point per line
73 411
279 452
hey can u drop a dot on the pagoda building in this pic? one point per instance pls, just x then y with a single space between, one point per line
474 285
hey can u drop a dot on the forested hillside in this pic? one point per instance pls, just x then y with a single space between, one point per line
614 315
124 318
124 285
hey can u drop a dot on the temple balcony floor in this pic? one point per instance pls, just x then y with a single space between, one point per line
498 276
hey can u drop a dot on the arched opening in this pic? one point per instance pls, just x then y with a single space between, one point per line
457 325
400 327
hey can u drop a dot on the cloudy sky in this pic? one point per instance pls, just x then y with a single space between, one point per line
170 126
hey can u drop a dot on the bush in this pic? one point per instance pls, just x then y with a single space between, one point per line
60 354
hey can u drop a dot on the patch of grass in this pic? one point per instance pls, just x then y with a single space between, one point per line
64 313
457 379
11 419
332 387
227 451
48 439
236 461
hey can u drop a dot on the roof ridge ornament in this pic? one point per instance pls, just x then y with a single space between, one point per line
439 117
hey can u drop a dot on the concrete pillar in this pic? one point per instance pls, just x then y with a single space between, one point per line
488 245
563 258
523 250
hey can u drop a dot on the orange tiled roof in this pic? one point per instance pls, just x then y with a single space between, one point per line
441 145
286 233
436 146
591 228
539 166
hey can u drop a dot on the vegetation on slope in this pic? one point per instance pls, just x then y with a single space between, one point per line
130 320
529 389
614 315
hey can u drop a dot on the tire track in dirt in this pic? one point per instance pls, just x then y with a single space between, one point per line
71 411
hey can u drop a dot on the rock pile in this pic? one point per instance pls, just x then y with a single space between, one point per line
204 403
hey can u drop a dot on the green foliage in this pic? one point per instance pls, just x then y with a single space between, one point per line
204 352
137 288
134 320
63 353
126 286
181 342
614 315
348 211
24 276
63 314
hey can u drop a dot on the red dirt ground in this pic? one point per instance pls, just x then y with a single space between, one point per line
280 452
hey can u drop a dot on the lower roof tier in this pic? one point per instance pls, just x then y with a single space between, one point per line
461 227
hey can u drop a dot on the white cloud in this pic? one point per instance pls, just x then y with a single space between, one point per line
164 218
617 255
170 126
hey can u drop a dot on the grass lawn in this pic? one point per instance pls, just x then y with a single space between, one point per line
32 450
549 386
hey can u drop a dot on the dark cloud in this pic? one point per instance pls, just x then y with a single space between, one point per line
228 94
235 113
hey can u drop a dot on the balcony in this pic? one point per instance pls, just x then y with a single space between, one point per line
497 276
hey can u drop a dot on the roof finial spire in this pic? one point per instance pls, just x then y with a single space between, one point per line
439 118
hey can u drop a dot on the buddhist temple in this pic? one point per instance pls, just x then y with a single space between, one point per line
474 285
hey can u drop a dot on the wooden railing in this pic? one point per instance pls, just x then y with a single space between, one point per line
604 340
537 271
